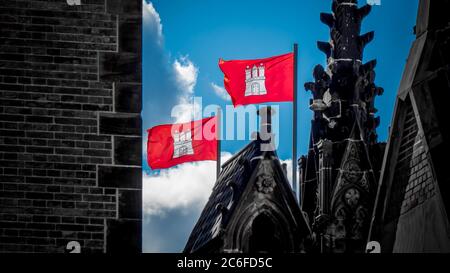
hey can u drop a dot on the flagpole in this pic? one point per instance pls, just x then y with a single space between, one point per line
218 129
294 127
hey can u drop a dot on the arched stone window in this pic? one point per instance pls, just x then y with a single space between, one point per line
263 238
262 229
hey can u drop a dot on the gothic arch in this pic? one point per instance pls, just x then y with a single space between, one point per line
241 232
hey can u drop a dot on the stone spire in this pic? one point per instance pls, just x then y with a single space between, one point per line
345 91
338 177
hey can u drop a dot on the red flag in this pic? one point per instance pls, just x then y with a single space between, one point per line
260 80
172 144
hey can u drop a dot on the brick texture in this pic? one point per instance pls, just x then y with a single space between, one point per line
413 176
420 178
67 74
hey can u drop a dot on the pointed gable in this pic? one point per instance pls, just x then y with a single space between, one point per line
356 176
411 211
252 191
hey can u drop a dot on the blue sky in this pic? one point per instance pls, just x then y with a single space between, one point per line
182 42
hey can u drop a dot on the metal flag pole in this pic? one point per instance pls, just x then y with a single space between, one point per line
294 127
218 128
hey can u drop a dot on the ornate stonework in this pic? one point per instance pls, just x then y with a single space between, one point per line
339 181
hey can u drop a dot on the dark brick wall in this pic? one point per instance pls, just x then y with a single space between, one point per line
413 177
70 125
421 181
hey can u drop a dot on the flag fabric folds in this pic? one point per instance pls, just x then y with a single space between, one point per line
172 144
260 80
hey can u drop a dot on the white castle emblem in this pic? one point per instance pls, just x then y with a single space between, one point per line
182 144
255 81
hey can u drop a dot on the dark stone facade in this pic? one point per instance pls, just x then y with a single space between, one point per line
340 172
70 103
411 213
252 208
354 190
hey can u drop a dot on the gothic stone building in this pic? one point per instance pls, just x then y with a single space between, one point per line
70 142
413 202
352 191
70 125
339 174
252 208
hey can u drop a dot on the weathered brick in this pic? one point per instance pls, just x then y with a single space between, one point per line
42 119
40 150
38 195
127 150
120 124
128 98
129 202
120 67
119 177
70 227
58 64
71 197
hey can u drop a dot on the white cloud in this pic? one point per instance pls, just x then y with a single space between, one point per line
186 74
152 19
181 76
221 92
186 110
185 187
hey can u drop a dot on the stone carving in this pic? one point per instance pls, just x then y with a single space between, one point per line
318 88
352 172
352 197
364 183
359 223
340 230
265 183
343 101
